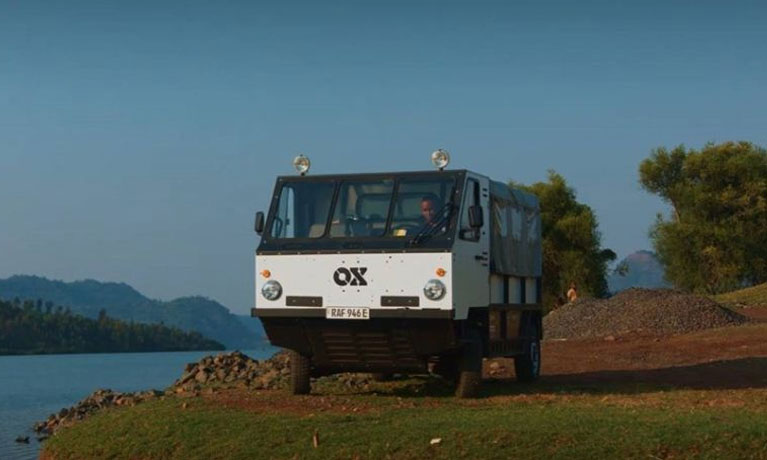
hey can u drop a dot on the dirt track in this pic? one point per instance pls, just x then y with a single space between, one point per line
725 358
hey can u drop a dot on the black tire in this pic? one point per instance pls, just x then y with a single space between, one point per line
469 368
382 376
300 373
528 365
447 367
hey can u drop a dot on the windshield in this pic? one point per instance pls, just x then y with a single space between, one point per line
361 208
365 208
303 210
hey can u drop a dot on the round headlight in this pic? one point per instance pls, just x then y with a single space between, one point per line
302 164
440 158
434 290
271 290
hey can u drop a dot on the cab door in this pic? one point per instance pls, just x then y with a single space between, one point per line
471 251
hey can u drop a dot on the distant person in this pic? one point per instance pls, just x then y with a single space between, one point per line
572 294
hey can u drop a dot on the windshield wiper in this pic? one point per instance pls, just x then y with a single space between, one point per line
430 228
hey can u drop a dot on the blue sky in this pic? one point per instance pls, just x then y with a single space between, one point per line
138 138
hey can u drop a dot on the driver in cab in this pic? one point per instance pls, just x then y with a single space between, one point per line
429 210
427 221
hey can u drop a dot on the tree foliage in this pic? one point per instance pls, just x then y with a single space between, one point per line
572 251
27 329
714 240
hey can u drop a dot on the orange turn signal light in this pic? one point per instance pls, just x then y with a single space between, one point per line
441 272
266 273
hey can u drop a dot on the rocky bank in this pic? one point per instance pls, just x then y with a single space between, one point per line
226 370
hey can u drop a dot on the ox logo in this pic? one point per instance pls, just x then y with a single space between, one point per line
352 276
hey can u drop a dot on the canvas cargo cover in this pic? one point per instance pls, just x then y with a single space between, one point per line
515 241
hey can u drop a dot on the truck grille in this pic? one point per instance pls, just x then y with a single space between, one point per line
368 349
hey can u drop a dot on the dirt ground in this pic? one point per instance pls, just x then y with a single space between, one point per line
725 367
724 358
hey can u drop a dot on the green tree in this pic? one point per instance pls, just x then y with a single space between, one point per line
26 329
714 239
572 251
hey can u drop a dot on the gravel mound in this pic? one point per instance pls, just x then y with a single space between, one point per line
234 369
230 370
651 311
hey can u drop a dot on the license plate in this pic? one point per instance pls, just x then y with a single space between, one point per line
347 313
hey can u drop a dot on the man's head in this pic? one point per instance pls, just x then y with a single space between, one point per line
428 208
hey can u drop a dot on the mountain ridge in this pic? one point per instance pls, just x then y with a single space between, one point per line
122 301
643 270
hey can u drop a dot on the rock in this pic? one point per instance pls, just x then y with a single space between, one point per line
96 401
22 439
187 376
201 376
610 338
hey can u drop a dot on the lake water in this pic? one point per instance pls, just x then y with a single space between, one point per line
33 387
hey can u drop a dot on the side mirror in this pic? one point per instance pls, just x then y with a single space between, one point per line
259 227
475 217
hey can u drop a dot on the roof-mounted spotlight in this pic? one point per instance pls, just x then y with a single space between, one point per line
440 158
302 164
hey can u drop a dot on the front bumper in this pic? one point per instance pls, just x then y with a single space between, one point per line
375 313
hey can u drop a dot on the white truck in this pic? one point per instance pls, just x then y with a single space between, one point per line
406 272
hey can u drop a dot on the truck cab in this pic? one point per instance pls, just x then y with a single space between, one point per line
403 272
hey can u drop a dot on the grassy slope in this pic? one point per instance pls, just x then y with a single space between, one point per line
753 296
615 424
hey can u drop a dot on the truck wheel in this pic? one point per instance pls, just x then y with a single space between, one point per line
528 365
447 367
300 371
469 369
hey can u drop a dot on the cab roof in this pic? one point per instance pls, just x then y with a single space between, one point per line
430 172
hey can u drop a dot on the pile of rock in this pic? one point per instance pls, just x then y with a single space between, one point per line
234 370
650 311
230 370
99 399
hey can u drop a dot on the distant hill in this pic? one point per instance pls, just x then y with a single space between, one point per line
88 297
35 327
644 270
253 325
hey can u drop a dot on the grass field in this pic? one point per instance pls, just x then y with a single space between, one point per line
700 395
755 296
632 424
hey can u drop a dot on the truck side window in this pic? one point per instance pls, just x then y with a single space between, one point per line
470 198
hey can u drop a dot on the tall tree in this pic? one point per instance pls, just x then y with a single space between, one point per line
572 251
714 240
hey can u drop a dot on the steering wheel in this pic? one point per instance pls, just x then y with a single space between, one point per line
351 223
